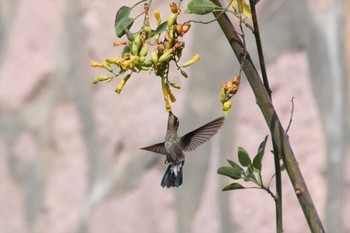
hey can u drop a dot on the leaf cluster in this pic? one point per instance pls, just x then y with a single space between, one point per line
247 170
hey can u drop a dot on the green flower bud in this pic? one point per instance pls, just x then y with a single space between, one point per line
171 20
147 29
122 84
154 57
142 60
175 85
166 56
147 63
101 79
144 50
134 48
107 66
138 40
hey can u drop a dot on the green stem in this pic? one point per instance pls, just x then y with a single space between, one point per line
279 135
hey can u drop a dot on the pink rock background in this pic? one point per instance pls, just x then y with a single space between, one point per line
69 157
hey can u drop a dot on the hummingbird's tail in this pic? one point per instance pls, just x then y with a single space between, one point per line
173 175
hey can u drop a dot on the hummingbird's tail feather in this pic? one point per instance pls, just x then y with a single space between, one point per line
173 175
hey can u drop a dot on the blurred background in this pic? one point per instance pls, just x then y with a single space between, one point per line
69 150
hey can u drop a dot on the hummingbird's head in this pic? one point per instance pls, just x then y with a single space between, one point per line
173 122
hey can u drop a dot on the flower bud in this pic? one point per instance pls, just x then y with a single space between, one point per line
147 29
138 40
186 27
193 60
147 63
175 85
101 79
166 56
172 20
226 107
156 14
96 64
122 84
154 57
144 50
107 66
174 9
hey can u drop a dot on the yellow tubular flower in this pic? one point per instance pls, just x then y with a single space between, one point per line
122 84
96 64
172 97
107 66
226 107
165 95
193 60
156 14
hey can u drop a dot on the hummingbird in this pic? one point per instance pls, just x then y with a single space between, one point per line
173 147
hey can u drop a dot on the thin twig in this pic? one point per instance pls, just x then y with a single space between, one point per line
221 11
278 200
291 115
259 47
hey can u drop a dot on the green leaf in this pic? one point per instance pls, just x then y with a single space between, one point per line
187 11
232 172
123 21
123 12
234 164
233 186
122 25
263 144
260 154
200 7
243 157
257 161
161 28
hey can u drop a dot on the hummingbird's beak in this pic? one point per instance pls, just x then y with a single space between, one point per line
170 113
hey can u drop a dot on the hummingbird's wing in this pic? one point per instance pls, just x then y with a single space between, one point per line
157 148
197 137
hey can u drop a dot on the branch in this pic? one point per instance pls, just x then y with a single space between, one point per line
276 153
278 133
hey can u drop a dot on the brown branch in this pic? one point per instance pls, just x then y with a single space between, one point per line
278 133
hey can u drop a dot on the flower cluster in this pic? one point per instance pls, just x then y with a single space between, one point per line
148 49
227 91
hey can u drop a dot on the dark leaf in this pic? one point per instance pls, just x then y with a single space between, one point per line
243 157
259 156
263 143
233 186
200 7
123 12
232 172
234 164
161 28
123 21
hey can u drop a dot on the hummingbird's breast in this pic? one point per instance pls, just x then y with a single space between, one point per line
173 150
